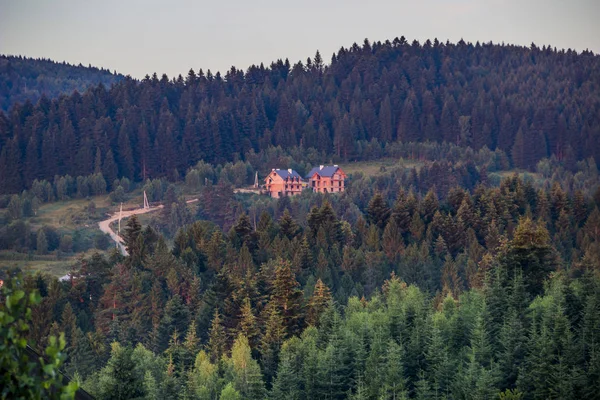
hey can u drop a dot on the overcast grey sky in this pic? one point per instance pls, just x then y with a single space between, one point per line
137 37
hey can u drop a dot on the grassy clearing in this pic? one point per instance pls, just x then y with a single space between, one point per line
51 264
374 168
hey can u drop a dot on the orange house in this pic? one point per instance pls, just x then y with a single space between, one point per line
326 179
283 182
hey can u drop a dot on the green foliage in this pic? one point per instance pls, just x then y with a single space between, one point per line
25 374
458 296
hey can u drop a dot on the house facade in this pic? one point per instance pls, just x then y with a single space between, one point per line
328 179
283 182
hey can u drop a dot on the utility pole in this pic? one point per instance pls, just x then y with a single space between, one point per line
120 215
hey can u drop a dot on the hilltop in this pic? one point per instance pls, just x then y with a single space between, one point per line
28 79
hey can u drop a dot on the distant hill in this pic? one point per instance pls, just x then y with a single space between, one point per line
23 79
530 102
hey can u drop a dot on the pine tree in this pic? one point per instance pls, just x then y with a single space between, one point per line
417 227
41 243
248 324
203 380
229 393
247 378
429 206
394 386
288 226
385 120
392 241
287 298
529 252
125 153
318 303
119 379
68 324
109 168
191 345
176 317
378 211
303 260
217 339
401 212
287 384
518 151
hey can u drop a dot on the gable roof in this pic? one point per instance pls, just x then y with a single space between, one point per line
285 173
327 171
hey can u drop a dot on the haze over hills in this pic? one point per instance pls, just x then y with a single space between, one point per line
530 103
23 79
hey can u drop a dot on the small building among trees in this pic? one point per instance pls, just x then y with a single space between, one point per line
283 182
329 179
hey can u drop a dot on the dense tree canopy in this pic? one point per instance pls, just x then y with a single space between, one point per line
480 292
530 103
27 79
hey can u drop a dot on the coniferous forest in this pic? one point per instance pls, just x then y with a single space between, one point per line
23 79
531 103
474 273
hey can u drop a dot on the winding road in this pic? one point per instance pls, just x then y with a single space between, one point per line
105 226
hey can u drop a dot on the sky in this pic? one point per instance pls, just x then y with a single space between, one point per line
139 37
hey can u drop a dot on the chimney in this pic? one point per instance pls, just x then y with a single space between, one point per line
290 170
320 167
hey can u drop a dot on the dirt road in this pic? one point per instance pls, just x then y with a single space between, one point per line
105 226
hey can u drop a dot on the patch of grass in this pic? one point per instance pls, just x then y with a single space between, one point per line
374 168
52 264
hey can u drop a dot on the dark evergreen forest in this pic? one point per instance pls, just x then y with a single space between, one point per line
530 103
491 292
23 79
450 278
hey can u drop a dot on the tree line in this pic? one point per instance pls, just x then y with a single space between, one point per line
529 102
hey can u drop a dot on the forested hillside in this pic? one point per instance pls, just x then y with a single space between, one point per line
445 270
494 290
23 79
530 103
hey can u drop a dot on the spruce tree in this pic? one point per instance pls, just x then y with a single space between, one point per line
288 227
247 378
248 323
287 384
217 339
287 298
41 243
378 211
318 303
392 241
